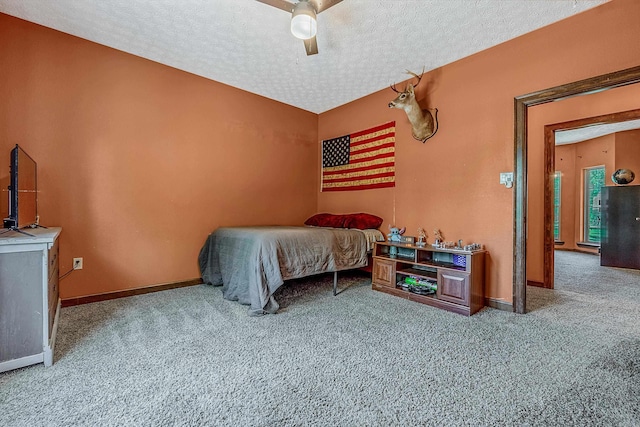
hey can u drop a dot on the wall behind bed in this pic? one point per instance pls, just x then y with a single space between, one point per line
139 162
451 181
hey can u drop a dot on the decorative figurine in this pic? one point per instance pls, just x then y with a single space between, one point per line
437 235
623 176
422 237
395 236
473 247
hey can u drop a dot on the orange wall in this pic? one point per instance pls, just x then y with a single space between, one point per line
628 152
138 162
615 151
119 138
451 181
569 193
571 161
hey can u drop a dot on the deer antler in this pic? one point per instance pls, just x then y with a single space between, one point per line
419 77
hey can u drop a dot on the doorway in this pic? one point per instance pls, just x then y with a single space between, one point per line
608 123
522 103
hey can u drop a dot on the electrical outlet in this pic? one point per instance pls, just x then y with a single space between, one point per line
77 263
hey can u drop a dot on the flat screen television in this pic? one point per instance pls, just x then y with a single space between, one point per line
23 191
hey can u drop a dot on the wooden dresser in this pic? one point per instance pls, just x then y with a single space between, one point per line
29 297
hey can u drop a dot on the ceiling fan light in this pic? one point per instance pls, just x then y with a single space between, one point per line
303 22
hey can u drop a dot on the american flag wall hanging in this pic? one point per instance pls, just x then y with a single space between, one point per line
361 160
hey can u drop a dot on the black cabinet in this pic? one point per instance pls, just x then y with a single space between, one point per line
620 227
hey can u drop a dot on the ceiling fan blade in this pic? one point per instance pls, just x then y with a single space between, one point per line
321 5
311 45
280 4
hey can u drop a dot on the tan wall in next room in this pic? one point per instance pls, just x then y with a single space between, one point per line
138 161
615 151
571 161
569 192
628 152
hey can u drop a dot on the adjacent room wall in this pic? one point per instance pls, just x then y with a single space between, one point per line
451 181
138 162
615 151
628 152
569 192
571 161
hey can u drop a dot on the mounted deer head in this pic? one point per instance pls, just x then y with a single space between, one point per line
424 124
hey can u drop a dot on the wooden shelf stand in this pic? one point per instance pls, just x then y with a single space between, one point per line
458 275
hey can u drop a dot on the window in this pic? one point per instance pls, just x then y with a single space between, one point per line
593 183
556 205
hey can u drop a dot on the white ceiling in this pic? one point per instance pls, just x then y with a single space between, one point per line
589 132
364 45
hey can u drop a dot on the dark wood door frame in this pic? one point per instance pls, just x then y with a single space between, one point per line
522 104
550 166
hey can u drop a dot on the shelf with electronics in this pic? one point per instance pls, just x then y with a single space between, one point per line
448 278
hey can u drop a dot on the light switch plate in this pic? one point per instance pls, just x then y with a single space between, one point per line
506 178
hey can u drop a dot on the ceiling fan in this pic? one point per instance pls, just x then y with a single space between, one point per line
303 18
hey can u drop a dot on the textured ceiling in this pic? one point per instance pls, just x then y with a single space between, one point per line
589 132
364 45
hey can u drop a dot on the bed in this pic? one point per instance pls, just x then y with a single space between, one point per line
251 263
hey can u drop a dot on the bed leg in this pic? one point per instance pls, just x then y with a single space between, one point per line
335 283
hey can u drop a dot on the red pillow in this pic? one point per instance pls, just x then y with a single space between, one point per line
326 220
362 221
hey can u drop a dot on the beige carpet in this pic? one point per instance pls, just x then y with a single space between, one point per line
187 357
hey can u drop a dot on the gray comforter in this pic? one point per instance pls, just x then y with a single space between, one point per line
252 262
